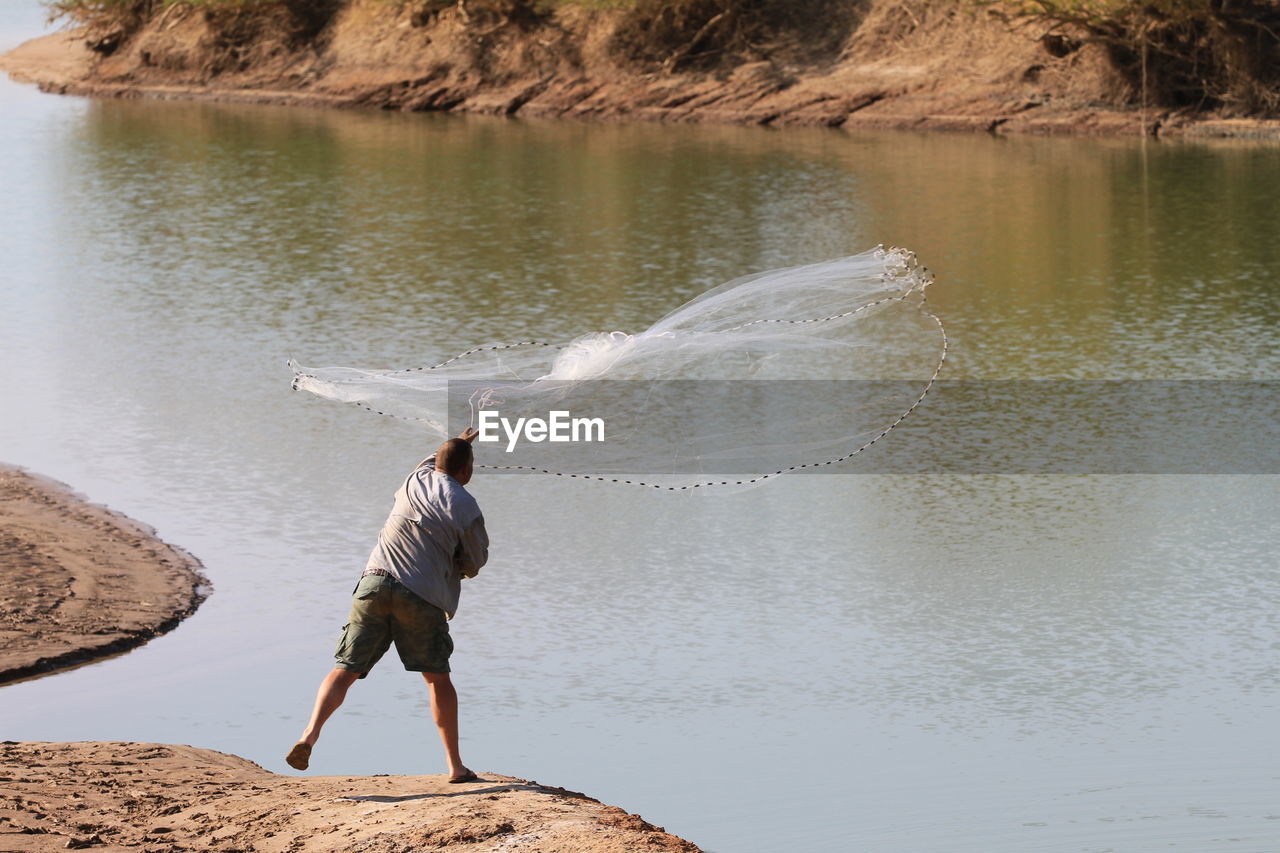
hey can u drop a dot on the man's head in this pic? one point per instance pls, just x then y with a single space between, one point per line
454 458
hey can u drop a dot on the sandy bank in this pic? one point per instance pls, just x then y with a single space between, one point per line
129 796
900 65
80 582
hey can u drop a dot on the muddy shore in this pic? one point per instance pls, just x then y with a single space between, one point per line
903 65
164 799
80 582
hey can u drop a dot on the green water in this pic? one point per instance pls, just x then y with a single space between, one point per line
882 663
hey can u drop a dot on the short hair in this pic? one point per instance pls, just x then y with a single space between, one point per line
453 456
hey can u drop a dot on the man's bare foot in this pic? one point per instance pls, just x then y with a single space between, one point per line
299 758
465 776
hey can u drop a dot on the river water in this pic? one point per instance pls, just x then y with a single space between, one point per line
932 662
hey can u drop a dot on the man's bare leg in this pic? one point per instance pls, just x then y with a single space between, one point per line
328 699
444 710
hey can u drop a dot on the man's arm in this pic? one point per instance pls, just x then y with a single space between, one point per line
473 549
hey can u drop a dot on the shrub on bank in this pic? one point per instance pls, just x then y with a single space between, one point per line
1197 54
111 22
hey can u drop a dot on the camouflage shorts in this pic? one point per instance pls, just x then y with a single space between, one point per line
384 611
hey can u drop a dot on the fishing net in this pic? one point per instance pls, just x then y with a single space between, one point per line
788 370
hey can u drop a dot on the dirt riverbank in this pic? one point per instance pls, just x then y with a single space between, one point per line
893 65
80 582
164 799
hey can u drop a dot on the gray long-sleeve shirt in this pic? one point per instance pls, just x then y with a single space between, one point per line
433 538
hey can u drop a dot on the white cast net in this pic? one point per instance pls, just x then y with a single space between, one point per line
788 370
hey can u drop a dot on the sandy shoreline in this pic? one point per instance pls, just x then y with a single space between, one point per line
80 582
164 799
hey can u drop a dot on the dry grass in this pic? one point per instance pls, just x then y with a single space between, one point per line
111 22
1194 54
701 34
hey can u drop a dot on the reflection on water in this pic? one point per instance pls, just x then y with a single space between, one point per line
1127 260
923 662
